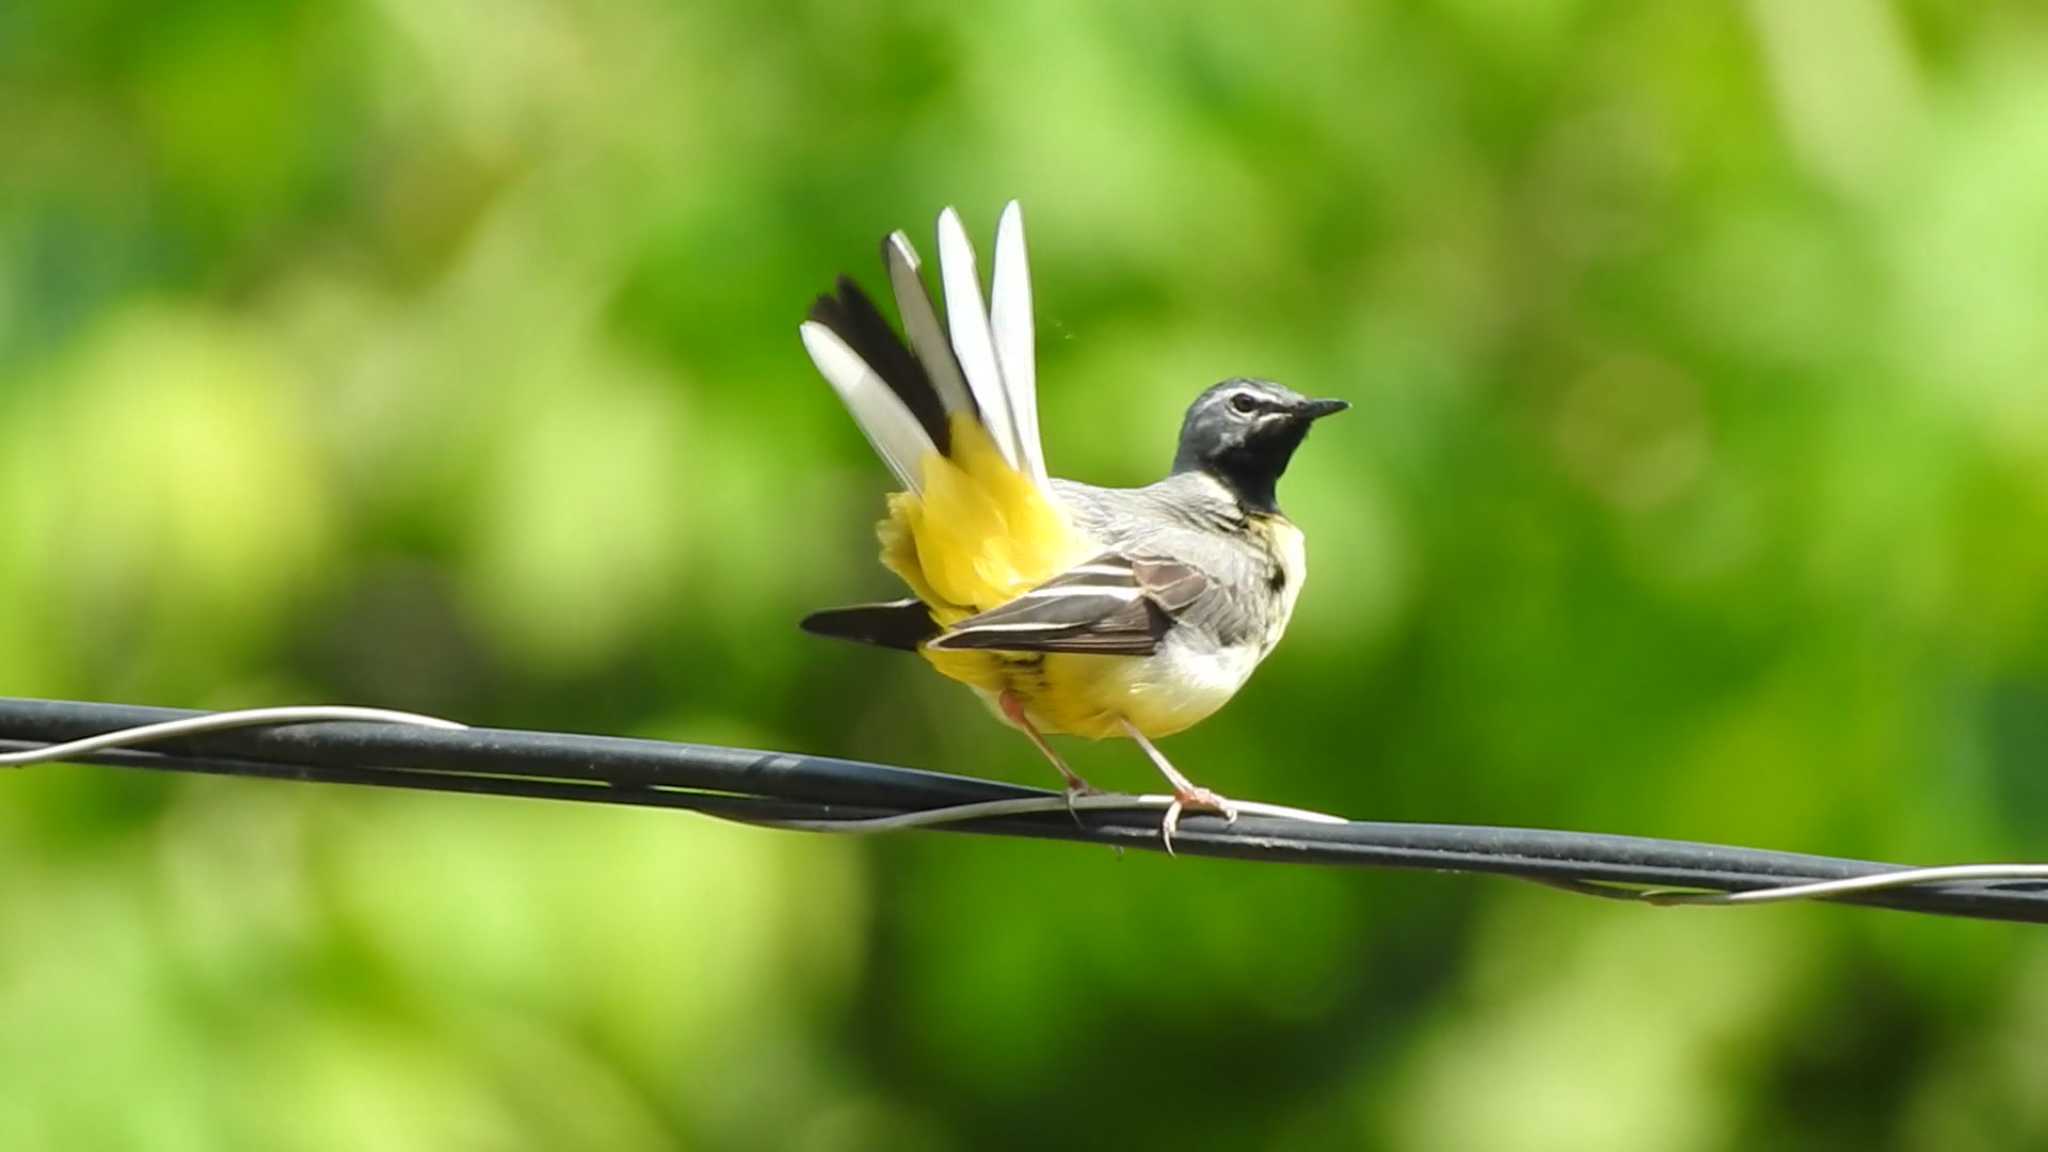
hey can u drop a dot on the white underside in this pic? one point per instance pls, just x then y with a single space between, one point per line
1181 685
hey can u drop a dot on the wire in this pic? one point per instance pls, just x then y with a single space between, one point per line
1903 878
215 722
377 748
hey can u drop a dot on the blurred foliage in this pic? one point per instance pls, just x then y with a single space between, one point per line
442 356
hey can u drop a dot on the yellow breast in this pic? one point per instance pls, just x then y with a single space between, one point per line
1290 552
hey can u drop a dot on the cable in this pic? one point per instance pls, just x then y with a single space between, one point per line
820 794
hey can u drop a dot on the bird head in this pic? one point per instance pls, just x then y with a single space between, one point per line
1243 432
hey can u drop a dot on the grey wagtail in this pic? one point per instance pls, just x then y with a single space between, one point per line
1067 608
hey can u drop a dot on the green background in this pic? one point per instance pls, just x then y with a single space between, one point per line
443 356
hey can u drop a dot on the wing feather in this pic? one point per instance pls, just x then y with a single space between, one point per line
1010 314
973 343
1113 604
921 322
853 318
899 439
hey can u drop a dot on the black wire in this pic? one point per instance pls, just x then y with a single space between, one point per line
766 787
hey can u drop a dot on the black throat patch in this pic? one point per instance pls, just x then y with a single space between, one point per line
1251 470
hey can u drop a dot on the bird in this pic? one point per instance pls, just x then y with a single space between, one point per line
1068 608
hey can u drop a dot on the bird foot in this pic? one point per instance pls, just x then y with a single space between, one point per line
1193 799
1077 788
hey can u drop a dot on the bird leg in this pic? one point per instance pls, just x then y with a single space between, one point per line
1186 794
1013 707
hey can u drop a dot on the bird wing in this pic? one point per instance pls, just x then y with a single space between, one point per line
1114 604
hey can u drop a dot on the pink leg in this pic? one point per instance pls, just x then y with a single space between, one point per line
1013 707
1186 794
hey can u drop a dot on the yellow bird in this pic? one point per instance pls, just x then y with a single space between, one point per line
1067 608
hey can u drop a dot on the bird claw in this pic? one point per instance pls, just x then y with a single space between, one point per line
1077 788
1193 799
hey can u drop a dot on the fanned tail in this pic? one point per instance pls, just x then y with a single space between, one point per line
954 413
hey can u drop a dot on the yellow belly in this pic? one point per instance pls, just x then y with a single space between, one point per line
1084 695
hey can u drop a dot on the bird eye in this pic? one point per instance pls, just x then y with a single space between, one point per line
1244 402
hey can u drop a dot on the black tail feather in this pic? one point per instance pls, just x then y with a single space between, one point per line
902 624
854 318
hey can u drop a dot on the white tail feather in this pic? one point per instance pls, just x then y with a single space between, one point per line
898 438
1010 314
921 325
967 316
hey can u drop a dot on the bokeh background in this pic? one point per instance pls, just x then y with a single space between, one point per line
443 356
